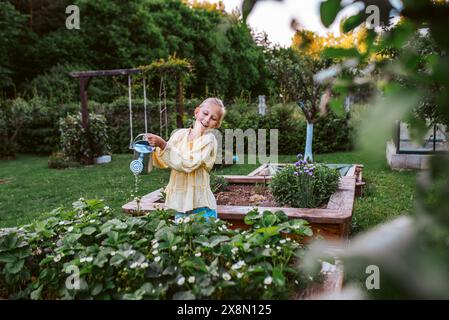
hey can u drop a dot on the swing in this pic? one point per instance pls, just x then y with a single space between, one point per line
142 149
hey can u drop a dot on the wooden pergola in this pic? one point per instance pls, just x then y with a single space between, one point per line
84 80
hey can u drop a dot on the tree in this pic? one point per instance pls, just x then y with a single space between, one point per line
295 76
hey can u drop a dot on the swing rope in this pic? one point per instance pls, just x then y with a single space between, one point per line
130 113
163 111
145 104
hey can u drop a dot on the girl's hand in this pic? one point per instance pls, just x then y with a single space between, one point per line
156 141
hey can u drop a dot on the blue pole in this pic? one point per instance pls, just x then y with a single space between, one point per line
309 139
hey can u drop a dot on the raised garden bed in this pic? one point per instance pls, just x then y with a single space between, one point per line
332 221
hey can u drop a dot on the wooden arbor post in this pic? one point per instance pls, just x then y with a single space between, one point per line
84 80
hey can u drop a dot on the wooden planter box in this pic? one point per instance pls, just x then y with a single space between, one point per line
332 222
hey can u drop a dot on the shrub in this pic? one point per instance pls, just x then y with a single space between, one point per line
217 183
58 160
15 115
304 185
150 257
74 139
331 133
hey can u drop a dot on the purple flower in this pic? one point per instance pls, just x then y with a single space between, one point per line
296 173
297 164
302 161
299 156
310 173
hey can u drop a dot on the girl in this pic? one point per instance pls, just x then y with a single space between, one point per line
191 153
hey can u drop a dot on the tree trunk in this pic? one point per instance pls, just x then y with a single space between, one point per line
309 139
179 102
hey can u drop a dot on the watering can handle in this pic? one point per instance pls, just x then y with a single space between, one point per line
142 134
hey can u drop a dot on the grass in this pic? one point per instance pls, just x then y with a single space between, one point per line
29 190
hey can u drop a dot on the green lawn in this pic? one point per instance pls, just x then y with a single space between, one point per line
29 190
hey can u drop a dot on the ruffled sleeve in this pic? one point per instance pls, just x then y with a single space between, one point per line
202 153
158 161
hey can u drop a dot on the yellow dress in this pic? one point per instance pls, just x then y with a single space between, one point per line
190 161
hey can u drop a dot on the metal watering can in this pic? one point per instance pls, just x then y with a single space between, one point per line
142 162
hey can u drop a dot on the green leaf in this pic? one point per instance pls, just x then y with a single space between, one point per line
36 294
7 258
268 219
329 10
353 22
97 289
184 295
15 266
218 239
101 259
247 7
278 277
89 230
116 260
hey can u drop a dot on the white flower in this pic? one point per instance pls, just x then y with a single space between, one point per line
296 281
157 259
61 223
239 275
198 254
282 241
70 229
160 285
180 220
226 276
83 260
154 252
144 265
153 241
278 248
106 208
155 245
134 265
191 279
113 253
289 239
81 199
92 220
267 246
235 250
268 280
238 265
174 248
57 258
181 281
89 259
186 219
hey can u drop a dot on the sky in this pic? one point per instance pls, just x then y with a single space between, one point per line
274 17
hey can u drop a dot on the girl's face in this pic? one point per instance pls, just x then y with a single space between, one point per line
207 117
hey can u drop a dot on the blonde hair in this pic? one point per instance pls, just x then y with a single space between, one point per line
217 102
